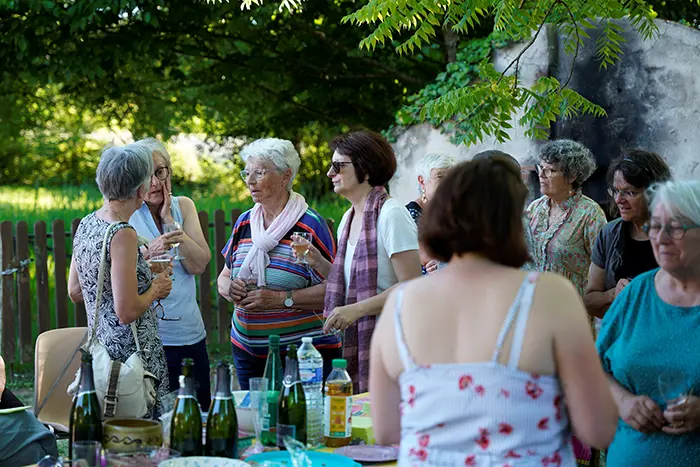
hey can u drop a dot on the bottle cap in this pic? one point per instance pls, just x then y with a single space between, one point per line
307 340
292 350
274 339
340 363
187 362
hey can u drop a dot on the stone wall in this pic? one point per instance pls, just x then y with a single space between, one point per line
652 97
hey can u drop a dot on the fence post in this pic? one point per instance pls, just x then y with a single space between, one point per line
24 303
205 277
61 287
9 310
219 243
42 276
80 318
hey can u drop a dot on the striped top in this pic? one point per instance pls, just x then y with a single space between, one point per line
250 330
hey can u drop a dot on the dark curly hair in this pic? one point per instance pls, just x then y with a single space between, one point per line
574 159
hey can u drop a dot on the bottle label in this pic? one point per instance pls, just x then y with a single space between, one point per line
311 375
85 393
270 420
338 421
283 431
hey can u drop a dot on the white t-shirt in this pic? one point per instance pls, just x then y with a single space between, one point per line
396 232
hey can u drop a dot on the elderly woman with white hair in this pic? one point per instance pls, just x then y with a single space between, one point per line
648 340
130 288
273 293
429 171
164 221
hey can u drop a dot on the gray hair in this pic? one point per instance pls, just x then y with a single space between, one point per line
433 161
680 197
575 160
279 152
153 145
123 170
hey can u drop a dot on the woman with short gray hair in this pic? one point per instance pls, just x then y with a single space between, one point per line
130 288
429 172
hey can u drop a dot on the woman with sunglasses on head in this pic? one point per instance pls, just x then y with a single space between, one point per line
377 245
649 338
274 293
622 250
166 221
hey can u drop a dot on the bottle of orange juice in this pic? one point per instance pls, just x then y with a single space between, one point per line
337 413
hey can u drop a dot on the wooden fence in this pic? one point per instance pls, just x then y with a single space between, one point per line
19 326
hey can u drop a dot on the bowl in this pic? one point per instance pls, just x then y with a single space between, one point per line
140 458
131 434
245 415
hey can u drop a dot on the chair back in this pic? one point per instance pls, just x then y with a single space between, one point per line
52 350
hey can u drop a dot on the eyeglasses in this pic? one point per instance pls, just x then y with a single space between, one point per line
254 174
624 193
160 313
676 232
547 172
162 173
337 166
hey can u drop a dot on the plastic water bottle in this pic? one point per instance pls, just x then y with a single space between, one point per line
311 372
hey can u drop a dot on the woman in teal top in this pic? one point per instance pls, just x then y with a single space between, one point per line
652 327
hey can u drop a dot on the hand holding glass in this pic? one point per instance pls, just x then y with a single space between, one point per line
301 242
674 386
172 227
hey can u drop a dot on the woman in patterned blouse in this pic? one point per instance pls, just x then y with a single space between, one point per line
564 222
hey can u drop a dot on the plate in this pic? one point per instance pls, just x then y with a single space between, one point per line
203 462
318 459
14 410
372 453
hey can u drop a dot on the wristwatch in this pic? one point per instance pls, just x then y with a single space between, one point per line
289 301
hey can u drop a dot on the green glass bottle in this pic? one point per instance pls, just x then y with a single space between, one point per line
291 415
85 415
186 424
222 423
273 373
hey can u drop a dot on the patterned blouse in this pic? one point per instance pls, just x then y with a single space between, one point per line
565 247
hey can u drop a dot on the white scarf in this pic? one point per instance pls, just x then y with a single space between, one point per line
264 240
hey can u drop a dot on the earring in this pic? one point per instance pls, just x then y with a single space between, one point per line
422 196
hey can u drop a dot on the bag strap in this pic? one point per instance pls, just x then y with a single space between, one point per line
60 376
111 398
100 287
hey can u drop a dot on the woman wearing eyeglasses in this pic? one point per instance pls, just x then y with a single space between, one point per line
273 292
377 245
180 323
622 250
650 333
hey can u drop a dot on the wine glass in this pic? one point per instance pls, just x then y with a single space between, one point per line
258 404
172 227
301 242
674 386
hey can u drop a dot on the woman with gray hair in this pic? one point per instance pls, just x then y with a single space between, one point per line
429 172
130 287
273 292
564 223
648 340
165 220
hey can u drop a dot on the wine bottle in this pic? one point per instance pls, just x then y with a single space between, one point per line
85 415
291 417
222 423
273 373
186 424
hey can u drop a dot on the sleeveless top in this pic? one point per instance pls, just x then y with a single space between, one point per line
483 414
182 301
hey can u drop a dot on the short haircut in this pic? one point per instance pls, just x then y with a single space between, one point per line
640 168
156 146
279 152
370 153
574 159
495 152
680 197
123 170
478 208
433 161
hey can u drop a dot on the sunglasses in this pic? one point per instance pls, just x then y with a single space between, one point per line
336 166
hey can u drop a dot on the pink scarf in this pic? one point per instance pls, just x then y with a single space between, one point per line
265 240
363 285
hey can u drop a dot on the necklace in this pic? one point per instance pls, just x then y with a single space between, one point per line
104 208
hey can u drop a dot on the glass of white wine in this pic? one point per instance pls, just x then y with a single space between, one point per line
301 243
172 227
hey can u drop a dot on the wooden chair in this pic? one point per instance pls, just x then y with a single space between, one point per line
52 351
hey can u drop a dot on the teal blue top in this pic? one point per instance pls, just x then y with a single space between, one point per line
641 335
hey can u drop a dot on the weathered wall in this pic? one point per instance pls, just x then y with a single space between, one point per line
652 98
